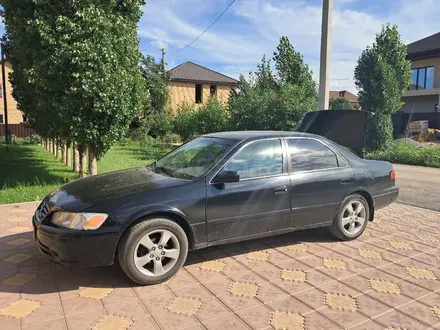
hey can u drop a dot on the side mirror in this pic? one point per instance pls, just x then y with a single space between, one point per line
226 177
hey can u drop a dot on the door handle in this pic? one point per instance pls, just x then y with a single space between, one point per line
280 190
346 181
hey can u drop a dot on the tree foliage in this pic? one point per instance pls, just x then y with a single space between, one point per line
382 76
192 120
274 100
156 80
76 72
341 103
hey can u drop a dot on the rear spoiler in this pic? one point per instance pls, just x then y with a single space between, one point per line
345 127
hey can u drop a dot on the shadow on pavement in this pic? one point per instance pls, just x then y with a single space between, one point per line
46 277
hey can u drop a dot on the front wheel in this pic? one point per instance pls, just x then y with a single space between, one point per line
153 251
352 218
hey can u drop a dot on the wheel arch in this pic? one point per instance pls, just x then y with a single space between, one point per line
365 194
169 213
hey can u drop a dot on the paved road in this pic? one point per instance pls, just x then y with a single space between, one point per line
419 186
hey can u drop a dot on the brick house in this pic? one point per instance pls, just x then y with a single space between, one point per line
194 84
423 93
349 96
15 116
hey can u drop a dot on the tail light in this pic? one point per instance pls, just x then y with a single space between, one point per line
393 175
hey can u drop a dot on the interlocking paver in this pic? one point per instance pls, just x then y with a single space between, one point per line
388 278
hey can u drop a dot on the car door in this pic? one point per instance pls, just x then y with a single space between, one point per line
320 178
259 202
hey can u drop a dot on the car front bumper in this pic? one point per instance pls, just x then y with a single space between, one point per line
386 198
76 248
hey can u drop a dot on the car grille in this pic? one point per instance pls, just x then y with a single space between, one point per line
42 211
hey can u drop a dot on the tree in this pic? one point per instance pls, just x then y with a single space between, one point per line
156 80
76 68
291 68
341 103
382 76
274 100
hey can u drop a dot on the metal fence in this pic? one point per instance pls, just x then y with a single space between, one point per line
401 119
19 130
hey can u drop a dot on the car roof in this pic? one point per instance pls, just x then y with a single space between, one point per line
252 135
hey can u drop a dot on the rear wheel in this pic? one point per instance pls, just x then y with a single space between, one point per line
352 218
153 251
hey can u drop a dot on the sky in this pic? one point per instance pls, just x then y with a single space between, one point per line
252 28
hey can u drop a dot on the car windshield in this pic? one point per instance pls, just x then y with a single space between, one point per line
193 159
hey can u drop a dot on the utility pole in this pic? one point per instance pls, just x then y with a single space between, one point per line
5 100
324 67
163 58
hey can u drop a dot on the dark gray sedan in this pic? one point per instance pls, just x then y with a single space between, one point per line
215 189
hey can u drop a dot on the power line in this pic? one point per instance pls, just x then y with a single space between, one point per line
224 11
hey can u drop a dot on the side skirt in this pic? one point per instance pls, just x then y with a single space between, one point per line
250 237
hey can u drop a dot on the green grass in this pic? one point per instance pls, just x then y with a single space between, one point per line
405 153
29 173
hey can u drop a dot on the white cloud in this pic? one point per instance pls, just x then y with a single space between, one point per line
251 28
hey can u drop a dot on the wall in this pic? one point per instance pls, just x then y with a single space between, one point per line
420 103
14 115
181 92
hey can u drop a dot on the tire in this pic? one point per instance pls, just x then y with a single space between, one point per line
347 231
143 243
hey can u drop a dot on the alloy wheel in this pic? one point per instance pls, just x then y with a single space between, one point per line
353 217
156 252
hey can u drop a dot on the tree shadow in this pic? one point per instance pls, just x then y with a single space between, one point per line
52 278
29 166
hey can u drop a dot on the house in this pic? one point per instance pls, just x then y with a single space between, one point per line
349 96
194 84
423 94
15 116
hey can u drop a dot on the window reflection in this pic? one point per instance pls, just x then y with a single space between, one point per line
258 159
429 78
422 78
307 155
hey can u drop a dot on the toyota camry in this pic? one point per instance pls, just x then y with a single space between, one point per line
215 189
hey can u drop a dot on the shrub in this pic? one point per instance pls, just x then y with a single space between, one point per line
184 123
405 153
160 123
192 121
29 140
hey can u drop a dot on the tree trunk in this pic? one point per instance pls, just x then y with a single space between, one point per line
82 163
75 159
68 155
64 152
57 149
52 146
93 163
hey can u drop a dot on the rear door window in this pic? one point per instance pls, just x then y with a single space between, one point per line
309 155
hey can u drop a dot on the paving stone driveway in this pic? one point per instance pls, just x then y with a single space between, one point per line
389 278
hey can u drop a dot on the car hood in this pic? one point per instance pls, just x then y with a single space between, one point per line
81 194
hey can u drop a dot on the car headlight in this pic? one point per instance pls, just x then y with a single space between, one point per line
79 221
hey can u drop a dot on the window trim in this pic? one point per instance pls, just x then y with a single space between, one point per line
425 68
244 145
337 155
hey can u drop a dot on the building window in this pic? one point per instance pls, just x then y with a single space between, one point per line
198 93
422 78
1 119
213 90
